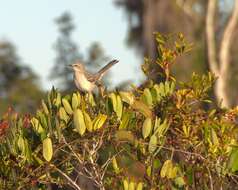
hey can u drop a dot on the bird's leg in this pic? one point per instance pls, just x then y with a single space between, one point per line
101 89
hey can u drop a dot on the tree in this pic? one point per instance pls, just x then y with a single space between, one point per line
189 17
67 52
18 84
219 62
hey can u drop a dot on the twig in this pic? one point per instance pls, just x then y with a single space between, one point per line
67 177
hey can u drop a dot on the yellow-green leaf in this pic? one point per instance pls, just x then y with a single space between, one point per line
139 186
214 137
125 120
99 121
147 97
233 160
79 121
37 126
75 101
114 101
88 121
152 143
44 106
91 100
57 100
166 168
173 172
119 107
147 127
143 108
127 97
123 135
67 106
125 184
63 115
47 149
114 165
131 186
21 144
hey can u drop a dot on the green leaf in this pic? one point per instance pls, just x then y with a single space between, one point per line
114 165
127 97
119 107
44 106
233 160
114 101
147 97
75 101
139 186
79 121
123 135
88 121
21 144
63 115
47 149
146 128
214 137
166 168
131 186
152 144
125 184
179 181
37 126
57 100
160 131
91 100
99 121
67 106
126 117
143 108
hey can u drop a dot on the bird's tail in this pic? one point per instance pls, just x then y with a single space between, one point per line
102 71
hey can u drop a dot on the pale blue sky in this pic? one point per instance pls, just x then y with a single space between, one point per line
29 24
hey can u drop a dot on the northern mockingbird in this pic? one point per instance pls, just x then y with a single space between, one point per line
86 81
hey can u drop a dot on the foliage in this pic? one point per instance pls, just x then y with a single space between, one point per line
156 137
15 80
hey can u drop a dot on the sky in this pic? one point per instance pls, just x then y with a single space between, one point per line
30 26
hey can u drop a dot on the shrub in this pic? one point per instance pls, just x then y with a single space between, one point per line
161 136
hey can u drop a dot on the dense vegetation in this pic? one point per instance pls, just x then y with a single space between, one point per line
166 135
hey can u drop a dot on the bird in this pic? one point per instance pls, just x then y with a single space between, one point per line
86 81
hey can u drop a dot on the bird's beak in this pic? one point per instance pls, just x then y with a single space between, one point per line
70 66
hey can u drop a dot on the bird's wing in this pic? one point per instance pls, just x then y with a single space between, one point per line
91 77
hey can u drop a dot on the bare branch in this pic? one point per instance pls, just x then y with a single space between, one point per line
67 177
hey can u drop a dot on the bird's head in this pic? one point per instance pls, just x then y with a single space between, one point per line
77 67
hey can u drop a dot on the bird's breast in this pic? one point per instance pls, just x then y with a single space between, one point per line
82 83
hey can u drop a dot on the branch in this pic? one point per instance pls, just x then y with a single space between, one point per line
226 40
210 35
67 177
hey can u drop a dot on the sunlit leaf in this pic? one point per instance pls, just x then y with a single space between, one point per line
166 168
47 149
139 186
152 143
125 184
79 122
131 185
67 106
75 101
147 127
